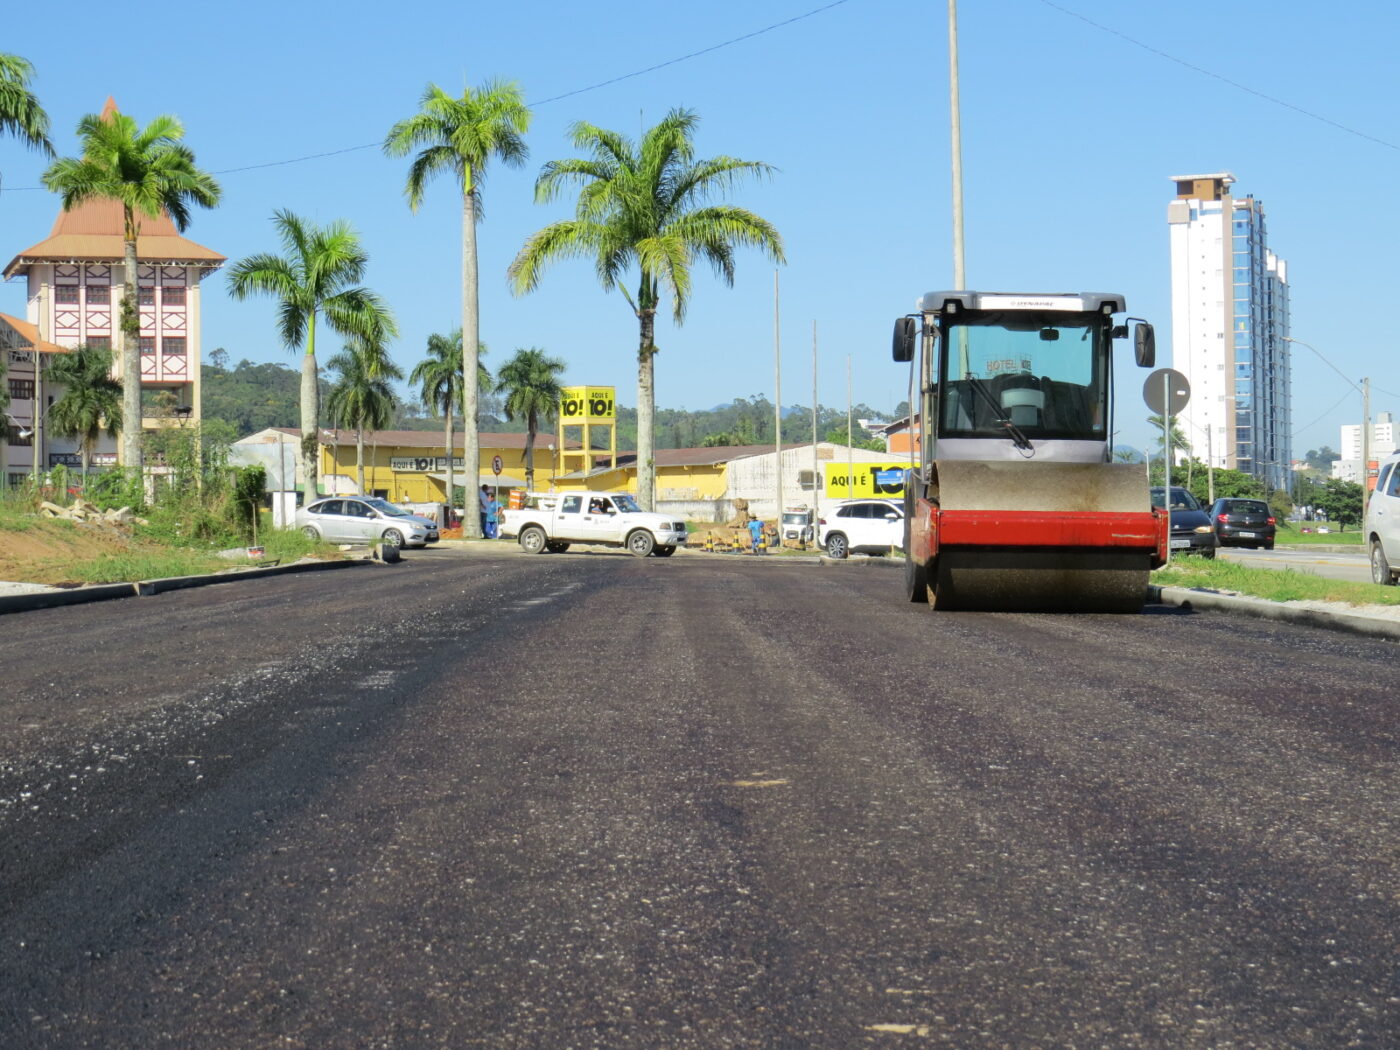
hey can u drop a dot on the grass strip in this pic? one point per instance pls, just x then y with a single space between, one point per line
1277 585
130 566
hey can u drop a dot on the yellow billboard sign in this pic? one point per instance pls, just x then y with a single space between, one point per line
866 480
586 404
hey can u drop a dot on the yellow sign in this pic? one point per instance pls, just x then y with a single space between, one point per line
578 404
866 480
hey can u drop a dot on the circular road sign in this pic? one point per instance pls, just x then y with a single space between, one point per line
496 465
1166 391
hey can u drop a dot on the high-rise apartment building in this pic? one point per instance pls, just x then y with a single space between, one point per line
1230 328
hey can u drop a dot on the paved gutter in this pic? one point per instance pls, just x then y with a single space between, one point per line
144 588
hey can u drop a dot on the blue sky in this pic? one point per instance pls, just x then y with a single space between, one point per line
1074 114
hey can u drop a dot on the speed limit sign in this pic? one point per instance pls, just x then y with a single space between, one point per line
496 465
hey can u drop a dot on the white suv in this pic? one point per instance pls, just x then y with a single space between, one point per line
1383 522
861 526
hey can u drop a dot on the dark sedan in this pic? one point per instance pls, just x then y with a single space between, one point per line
1243 523
1191 530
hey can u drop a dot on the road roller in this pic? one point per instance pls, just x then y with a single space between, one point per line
1014 501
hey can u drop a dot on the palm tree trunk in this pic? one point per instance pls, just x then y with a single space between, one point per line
531 427
130 327
646 411
360 457
447 445
471 356
309 414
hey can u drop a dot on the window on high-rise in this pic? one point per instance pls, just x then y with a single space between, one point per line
65 293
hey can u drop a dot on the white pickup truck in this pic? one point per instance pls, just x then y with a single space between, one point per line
612 519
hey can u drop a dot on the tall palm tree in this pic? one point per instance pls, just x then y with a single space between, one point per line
147 171
460 136
317 276
645 205
438 380
20 112
91 402
361 395
530 383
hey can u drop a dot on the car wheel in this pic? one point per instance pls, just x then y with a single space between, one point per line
836 546
1380 567
1207 552
1268 546
310 532
664 552
532 539
640 543
392 538
556 546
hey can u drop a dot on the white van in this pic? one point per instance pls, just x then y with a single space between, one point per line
1383 522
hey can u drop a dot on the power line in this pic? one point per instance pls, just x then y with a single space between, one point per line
545 101
1319 419
1223 79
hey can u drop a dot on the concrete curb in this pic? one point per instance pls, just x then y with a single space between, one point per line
1263 609
1182 597
146 588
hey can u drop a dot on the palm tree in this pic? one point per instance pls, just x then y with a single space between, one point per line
530 382
644 205
318 275
148 171
438 379
460 136
92 400
20 112
361 394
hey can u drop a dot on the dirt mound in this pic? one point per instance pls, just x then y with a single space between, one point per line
42 550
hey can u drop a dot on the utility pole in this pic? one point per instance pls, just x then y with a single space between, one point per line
778 406
850 436
1365 445
816 482
1210 466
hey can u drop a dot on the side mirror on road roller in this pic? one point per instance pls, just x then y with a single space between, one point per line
905 330
1145 345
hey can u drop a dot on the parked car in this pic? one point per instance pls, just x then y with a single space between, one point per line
1191 530
364 519
861 526
1383 522
1243 523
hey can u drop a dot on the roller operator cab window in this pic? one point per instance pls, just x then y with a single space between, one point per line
1015 372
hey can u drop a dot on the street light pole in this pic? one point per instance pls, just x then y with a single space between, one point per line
955 124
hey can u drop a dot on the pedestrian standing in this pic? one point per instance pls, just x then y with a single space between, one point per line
756 535
493 519
485 501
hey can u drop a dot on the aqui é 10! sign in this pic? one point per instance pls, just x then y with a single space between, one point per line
865 480
580 404
423 464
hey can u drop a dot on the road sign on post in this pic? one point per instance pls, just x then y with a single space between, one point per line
496 465
1166 391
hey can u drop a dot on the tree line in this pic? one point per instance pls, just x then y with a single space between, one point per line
646 211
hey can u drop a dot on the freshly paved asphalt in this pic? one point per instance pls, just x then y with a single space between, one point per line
585 800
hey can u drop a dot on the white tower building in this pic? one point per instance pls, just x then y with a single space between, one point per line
1229 328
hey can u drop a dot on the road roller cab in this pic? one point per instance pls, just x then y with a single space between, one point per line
1014 500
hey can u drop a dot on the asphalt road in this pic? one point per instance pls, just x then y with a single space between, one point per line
585 800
